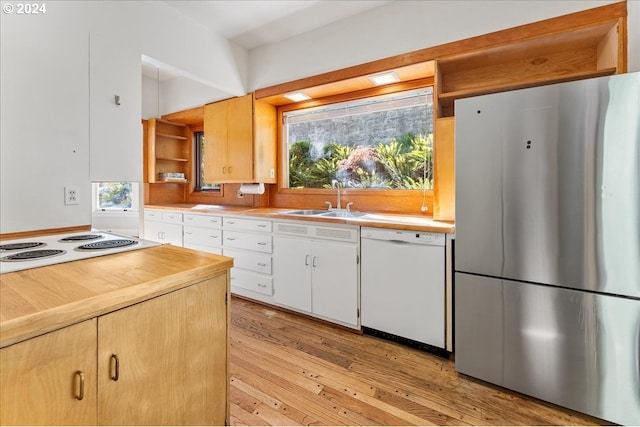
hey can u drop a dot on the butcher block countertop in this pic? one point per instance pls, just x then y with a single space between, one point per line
372 219
40 300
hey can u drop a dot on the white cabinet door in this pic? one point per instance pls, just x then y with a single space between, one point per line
153 231
292 272
318 277
334 289
163 232
115 130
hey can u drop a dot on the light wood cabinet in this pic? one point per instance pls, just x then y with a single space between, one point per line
167 152
240 141
589 51
163 361
171 364
444 204
41 379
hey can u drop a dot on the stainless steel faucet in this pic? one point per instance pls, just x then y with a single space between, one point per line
336 184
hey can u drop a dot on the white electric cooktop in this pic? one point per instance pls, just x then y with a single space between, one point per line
33 252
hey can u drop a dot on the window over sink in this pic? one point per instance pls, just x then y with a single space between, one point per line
377 142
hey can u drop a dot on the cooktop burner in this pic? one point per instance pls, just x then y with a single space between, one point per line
20 246
106 244
37 254
81 238
40 251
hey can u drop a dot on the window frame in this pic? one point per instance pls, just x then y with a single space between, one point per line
374 100
197 173
283 159
135 198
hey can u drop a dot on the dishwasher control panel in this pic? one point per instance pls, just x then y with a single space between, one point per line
407 236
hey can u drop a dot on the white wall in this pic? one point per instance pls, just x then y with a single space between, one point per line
44 82
182 93
404 26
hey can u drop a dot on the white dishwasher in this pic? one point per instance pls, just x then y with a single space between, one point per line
403 284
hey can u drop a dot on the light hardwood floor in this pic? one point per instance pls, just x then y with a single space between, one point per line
291 370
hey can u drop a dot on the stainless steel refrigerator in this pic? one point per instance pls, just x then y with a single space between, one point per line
547 248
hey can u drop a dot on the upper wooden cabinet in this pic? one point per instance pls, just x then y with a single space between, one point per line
592 51
240 141
167 151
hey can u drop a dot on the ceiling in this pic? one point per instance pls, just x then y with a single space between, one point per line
252 23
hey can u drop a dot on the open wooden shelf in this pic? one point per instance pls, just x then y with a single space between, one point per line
172 159
589 51
448 98
166 135
167 150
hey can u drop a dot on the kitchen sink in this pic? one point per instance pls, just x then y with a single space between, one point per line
343 214
307 212
326 214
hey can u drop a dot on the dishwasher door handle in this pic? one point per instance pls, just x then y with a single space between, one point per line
400 242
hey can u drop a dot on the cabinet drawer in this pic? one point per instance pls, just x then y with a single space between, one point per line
252 242
163 216
260 263
208 221
252 281
202 236
151 215
246 224
172 217
204 248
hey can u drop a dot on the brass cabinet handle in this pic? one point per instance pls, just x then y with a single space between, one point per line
229 169
79 380
114 367
224 169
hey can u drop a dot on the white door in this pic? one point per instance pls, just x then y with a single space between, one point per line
163 232
292 272
335 281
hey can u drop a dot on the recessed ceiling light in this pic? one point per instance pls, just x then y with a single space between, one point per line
297 97
384 78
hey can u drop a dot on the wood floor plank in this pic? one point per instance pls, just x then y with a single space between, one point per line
376 415
300 399
288 369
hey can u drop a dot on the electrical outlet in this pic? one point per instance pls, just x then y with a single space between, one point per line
71 196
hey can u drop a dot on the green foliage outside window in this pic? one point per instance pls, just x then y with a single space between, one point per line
398 164
115 195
